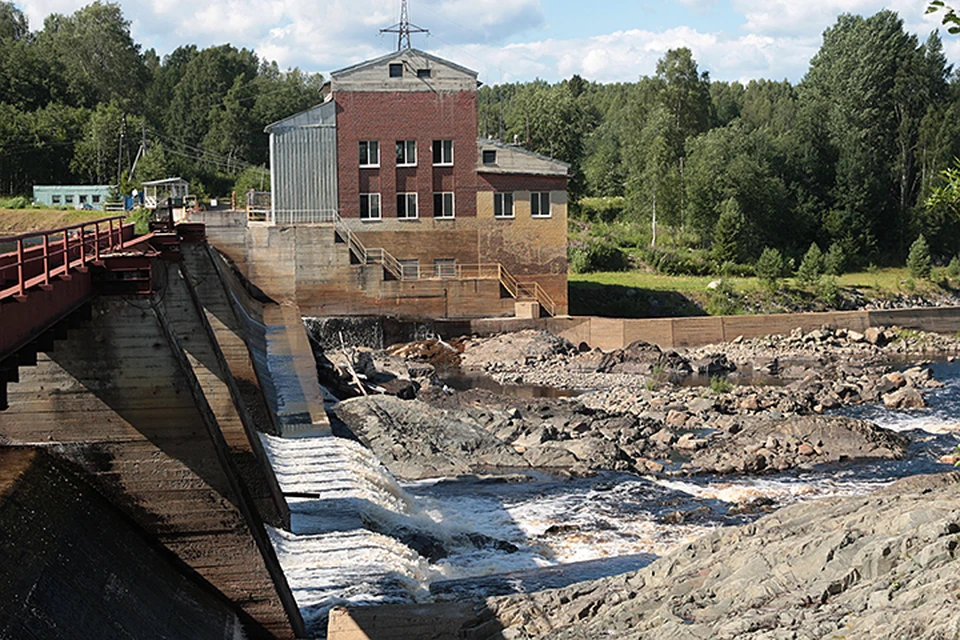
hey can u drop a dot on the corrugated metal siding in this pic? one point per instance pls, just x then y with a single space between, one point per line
304 166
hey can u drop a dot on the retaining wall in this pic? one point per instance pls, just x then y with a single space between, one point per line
616 333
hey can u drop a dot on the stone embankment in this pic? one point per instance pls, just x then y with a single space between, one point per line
876 566
642 409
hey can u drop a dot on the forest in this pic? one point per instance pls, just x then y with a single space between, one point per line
859 157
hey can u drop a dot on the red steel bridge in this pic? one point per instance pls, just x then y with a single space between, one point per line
47 277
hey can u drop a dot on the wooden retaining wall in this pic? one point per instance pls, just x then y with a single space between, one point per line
616 333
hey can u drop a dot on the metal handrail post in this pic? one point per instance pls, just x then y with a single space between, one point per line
46 260
66 252
21 289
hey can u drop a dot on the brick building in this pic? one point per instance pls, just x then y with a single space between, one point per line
429 220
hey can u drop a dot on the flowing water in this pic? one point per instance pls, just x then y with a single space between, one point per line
355 528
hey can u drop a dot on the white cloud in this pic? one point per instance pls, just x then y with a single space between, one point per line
627 55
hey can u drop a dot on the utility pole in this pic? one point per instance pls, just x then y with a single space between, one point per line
403 29
123 128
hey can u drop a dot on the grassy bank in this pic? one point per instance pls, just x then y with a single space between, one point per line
13 221
638 294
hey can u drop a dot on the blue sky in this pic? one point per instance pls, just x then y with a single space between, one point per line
514 40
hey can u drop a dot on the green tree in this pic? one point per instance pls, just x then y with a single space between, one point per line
918 260
729 236
811 267
834 260
100 62
770 267
950 18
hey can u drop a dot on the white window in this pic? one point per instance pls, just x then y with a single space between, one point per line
407 205
443 205
369 153
55 199
540 205
503 205
68 199
443 152
445 268
369 206
406 153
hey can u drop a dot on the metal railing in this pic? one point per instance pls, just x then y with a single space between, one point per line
40 256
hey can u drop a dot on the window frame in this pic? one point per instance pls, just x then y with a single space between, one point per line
424 74
395 70
488 153
542 196
441 196
406 145
55 198
68 199
406 195
502 196
441 146
95 198
366 210
365 145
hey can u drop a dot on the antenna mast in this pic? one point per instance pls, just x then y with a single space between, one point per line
403 29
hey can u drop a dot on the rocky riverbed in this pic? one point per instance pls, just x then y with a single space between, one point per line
751 406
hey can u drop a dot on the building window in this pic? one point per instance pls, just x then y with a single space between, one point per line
407 205
423 73
396 70
409 269
540 205
489 156
406 153
55 199
369 153
443 205
82 199
443 152
445 268
369 206
503 205
68 199
95 199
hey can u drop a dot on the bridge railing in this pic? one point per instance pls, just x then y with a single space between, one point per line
33 259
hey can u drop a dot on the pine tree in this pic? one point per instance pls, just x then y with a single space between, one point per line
918 260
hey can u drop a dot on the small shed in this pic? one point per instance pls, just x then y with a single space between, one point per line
156 191
73 195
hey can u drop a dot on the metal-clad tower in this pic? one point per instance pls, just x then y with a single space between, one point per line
403 29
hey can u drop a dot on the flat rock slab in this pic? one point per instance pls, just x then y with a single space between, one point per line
414 440
803 441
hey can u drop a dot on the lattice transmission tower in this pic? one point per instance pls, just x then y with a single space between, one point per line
403 29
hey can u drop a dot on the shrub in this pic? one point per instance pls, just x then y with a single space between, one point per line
606 208
17 202
141 220
596 255
676 264
770 268
720 385
918 260
835 260
811 267
723 300
829 292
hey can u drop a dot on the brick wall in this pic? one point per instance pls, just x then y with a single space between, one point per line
423 116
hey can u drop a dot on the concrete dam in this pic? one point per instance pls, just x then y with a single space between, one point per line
137 497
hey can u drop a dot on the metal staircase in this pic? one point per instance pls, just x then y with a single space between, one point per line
518 290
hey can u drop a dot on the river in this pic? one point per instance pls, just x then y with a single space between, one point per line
529 531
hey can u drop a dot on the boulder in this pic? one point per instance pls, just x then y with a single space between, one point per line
905 398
